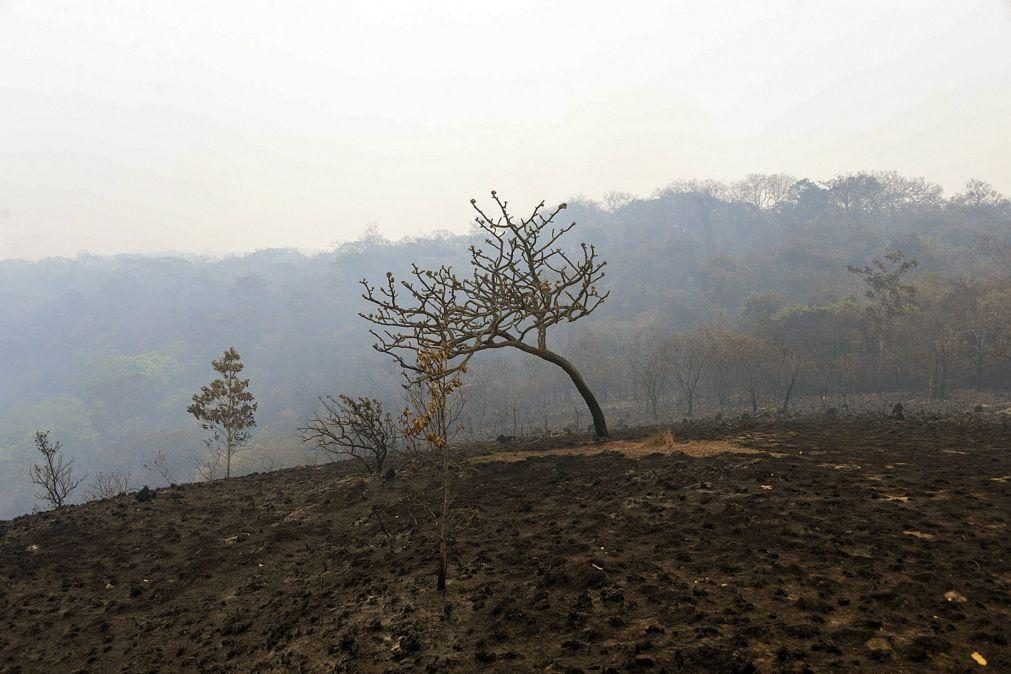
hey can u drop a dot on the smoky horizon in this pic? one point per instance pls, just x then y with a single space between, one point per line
223 128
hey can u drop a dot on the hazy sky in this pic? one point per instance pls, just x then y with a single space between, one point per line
216 126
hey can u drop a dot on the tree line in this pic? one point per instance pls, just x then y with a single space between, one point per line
527 280
765 259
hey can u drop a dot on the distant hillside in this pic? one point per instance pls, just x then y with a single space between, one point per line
105 352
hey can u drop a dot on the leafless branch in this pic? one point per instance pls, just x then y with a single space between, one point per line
521 284
159 466
107 485
353 428
55 477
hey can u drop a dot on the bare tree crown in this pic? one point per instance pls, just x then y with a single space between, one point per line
521 284
55 476
518 287
353 428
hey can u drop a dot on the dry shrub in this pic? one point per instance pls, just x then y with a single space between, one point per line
664 439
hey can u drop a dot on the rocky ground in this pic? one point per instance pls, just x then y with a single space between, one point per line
808 544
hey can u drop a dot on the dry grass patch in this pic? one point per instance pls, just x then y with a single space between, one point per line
661 443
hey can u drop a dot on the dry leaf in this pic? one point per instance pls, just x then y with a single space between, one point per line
956 597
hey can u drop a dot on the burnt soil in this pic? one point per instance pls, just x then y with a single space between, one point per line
846 544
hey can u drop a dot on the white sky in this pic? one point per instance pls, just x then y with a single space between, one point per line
219 126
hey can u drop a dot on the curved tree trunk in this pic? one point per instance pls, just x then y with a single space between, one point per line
599 424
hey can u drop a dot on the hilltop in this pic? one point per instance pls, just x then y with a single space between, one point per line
753 545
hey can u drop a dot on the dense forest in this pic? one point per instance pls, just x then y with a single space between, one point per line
742 297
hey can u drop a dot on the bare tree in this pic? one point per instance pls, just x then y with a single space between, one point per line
615 200
269 463
978 195
764 192
159 465
55 476
752 358
686 357
650 370
456 411
107 485
225 408
578 413
720 361
517 291
353 428
206 468
790 363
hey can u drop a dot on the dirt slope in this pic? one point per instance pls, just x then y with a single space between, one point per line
824 545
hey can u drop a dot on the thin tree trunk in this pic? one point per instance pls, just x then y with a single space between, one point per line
599 424
980 346
444 524
789 391
944 376
881 359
